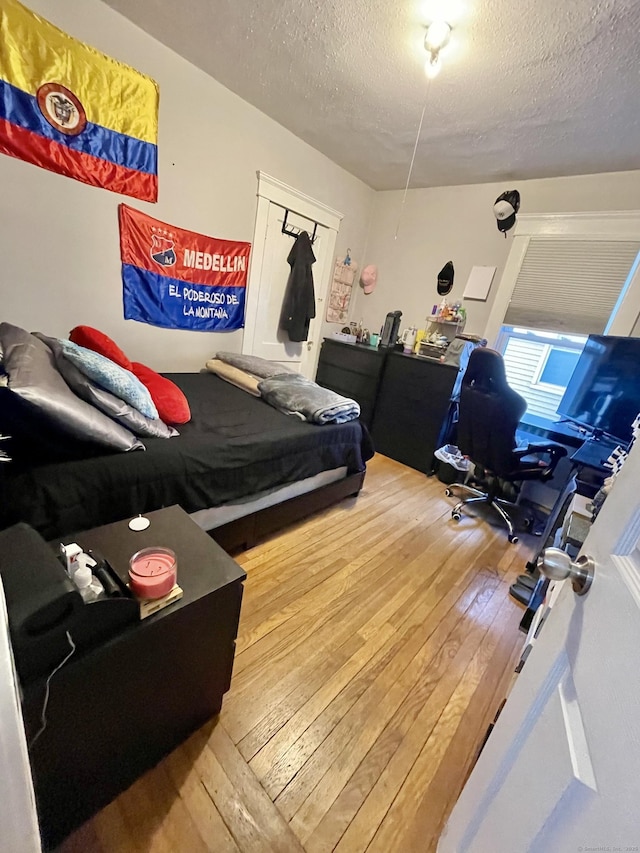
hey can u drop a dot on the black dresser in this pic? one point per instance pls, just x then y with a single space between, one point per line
413 400
353 370
403 398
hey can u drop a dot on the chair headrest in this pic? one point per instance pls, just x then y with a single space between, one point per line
486 370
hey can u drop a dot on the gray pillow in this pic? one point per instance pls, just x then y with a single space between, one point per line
107 402
31 376
254 364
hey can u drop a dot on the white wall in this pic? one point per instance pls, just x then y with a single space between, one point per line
59 238
457 224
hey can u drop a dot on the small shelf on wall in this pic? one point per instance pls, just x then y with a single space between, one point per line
450 330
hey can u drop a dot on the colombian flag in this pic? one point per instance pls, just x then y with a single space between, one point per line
70 109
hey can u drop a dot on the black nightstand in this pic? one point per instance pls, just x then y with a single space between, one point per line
117 709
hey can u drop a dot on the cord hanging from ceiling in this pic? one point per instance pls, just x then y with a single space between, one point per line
413 158
436 38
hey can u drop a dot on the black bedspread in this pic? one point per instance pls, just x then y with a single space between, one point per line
234 446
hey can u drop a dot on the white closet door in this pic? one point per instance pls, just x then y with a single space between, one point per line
269 341
270 271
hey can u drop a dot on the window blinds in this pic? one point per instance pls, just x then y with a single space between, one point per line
570 285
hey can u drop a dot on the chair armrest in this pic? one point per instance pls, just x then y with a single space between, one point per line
554 451
551 448
557 450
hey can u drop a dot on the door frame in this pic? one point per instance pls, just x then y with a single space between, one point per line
273 191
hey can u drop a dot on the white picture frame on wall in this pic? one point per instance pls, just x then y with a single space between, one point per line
479 283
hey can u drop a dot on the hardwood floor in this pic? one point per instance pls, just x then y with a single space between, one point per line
377 641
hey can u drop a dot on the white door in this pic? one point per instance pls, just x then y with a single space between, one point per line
270 271
559 773
269 341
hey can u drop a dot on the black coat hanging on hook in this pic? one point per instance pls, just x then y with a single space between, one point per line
299 304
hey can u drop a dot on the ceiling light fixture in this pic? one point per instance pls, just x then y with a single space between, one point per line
437 37
438 34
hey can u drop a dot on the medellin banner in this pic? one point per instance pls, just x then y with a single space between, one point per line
178 279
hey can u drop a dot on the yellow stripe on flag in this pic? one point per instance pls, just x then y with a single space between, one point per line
34 52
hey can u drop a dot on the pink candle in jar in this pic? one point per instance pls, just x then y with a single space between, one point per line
152 572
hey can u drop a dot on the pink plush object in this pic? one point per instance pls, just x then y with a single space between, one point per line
369 278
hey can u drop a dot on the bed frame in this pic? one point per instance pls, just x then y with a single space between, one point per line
245 532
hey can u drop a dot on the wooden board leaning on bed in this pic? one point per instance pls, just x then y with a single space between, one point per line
234 446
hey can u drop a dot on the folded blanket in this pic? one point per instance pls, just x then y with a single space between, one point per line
253 364
237 377
293 394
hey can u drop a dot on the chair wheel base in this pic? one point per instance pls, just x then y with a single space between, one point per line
448 492
513 539
456 516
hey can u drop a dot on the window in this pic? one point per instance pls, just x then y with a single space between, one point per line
570 286
565 289
539 365
558 366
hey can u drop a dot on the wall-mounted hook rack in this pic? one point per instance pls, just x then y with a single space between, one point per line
294 231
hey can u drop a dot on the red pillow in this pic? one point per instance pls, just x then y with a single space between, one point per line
97 341
172 405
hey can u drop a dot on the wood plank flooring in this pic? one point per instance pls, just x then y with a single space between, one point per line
377 641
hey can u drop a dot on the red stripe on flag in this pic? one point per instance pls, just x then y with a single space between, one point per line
149 244
56 157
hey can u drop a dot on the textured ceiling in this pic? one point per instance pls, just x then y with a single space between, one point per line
529 88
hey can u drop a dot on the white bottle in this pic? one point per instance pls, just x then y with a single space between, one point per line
83 561
89 587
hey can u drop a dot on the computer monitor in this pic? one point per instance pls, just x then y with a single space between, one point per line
603 394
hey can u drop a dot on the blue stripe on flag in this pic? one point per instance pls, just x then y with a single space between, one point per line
22 109
173 304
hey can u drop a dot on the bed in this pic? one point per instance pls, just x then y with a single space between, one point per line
242 468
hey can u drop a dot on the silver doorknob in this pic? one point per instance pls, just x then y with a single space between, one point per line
557 566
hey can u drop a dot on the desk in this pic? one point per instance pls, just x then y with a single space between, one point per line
590 458
587 458
570 538
593 454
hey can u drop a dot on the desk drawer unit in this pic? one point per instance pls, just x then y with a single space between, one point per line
413 400
353 370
